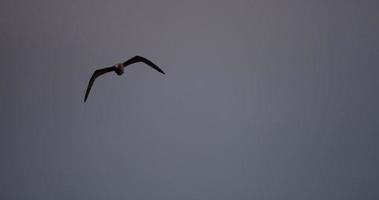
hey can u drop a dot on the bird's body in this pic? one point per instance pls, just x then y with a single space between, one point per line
119 70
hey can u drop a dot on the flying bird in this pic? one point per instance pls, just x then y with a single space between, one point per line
119 70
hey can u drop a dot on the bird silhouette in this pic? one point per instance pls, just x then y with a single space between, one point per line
119 70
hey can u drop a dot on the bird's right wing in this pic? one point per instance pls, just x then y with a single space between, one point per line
96 74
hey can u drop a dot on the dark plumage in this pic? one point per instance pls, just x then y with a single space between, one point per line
119 70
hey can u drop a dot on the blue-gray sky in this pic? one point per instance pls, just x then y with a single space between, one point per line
261 99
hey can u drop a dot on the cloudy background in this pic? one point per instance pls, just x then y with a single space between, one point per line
262 99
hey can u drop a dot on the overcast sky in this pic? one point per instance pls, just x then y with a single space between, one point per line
262 99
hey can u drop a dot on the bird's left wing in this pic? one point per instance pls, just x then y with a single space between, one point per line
96 74
136 59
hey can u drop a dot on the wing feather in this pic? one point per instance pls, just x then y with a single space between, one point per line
136 59
96 74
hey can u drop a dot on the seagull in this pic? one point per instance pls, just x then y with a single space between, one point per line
119 70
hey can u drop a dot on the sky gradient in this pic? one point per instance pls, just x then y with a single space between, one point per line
261 99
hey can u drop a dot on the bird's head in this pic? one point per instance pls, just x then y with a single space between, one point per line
119 69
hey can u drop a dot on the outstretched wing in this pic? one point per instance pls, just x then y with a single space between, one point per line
136 59
96 74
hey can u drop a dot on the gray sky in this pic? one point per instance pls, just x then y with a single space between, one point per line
261 99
